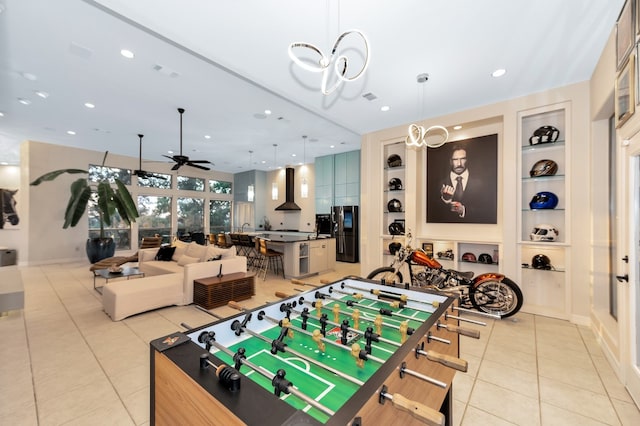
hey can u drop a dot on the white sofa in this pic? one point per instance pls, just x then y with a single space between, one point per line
168 283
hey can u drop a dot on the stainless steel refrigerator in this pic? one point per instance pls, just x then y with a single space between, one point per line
344 228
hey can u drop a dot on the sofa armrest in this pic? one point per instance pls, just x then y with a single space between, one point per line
194 271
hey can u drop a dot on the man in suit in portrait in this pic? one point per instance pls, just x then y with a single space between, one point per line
465 195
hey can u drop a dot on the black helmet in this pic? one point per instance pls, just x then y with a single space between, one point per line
541 261
395 184
396 228
394 160
544 134
394 205
485 258
394 247
544 168
469 257
544 200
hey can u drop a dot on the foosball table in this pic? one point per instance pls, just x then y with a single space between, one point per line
351 352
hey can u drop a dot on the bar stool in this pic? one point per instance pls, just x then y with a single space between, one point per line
269 259
248 249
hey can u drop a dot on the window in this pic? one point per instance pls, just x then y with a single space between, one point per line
99 174
190 215
219 216
119 230
190 184
155 217
220 187
157 180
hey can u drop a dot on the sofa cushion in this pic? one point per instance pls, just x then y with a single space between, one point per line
181 248
213 251
196 250
165 253
185 260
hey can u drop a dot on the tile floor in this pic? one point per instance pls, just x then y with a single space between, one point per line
63 361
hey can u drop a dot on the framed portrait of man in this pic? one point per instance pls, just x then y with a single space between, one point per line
462 181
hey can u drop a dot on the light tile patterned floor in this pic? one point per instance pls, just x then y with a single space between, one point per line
63 361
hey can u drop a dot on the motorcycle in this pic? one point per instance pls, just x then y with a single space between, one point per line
490 292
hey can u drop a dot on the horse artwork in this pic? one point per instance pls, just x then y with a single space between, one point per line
8 212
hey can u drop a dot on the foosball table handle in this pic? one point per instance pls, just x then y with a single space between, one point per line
235 305
420 411
448 360
469 332
282 295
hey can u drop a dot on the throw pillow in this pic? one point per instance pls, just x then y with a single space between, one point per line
217 251
196 250
218 257
185 260
165 253
181 248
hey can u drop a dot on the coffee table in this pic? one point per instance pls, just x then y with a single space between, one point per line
127 272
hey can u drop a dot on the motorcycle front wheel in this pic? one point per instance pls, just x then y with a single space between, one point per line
502 298
386 273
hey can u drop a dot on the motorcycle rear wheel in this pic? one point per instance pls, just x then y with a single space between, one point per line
502 298
387 273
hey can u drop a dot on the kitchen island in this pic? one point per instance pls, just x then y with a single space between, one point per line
303 253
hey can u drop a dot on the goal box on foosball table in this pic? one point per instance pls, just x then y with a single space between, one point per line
184 393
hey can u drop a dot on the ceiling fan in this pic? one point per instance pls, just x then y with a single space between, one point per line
182 160
142 174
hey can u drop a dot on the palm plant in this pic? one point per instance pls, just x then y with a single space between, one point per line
110 201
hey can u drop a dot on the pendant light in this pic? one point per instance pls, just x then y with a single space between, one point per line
418 134
274 184
304 187
250 188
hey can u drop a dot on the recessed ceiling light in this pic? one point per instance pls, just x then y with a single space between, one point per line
43 95
127 53
332 146
71 132
24 101
458 127
89 105
4 163
385 108
207 136
169 152
267 111
293 155
29 76
499 72
263 162
1 114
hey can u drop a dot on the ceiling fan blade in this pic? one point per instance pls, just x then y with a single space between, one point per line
200 161
170 158
190 163
176 166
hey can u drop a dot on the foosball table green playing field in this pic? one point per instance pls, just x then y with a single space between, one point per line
349 352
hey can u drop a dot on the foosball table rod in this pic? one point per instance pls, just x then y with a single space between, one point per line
447 316
404 370
278 381
444 359
420 411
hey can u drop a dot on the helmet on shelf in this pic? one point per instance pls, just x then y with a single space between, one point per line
541 261
394 247
394 160
394 205
544 134
485 258
544 232
544 168
544 200
469 257
396 228
395 184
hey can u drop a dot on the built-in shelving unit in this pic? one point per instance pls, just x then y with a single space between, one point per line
546 288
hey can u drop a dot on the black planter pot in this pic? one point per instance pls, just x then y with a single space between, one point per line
100 248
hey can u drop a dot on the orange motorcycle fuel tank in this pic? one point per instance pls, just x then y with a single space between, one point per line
421 258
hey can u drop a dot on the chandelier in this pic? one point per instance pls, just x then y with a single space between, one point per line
419 136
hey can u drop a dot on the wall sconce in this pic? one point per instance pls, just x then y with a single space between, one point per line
274 190
250 193
304 188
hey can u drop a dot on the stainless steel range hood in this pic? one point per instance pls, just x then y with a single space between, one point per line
289 204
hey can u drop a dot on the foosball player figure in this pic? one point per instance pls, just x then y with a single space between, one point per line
355 352
404 326
336 313
344 328
397 305
357 296
370 336
355 316
305 317
238 357
317 337
285 323
318 305
280 384
378 323
323 324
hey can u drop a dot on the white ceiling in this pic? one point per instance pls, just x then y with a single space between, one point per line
232 64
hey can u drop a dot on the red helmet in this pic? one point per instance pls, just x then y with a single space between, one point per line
469 257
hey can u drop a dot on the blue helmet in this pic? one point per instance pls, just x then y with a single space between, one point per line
544 200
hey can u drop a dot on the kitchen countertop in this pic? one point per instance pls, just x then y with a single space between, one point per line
289 238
